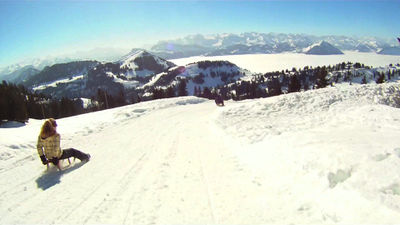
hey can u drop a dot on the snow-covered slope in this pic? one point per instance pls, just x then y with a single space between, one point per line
141 63
200 74
322 48
329 156
131 71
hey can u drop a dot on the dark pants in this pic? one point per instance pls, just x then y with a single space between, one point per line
68 153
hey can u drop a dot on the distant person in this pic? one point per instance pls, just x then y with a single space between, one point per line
219 100
48 146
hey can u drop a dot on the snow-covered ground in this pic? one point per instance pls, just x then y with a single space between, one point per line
327 156
263 63
61 81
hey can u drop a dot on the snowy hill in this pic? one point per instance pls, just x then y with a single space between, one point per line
200 74
84 78
141 63
133 70
328 156
61 80
59 71
322 48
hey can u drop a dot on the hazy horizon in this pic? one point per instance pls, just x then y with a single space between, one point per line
37 29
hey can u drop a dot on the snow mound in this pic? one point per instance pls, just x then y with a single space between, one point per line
306 110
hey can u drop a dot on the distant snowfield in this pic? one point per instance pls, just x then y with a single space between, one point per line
327 156
263 63
57 82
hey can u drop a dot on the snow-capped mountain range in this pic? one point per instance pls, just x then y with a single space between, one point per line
252 43
229 44
142 71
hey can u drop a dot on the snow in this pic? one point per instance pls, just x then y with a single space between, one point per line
154 79
327 156
128 60
263 63
86 102
322 48
61 81
126 83
209 81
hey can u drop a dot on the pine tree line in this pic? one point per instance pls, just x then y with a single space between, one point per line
19 104
171 91
279 82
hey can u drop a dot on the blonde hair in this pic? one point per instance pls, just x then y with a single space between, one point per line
53 122
48 128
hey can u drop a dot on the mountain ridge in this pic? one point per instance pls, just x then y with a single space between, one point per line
254 42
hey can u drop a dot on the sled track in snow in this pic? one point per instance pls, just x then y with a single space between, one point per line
206 182
127 179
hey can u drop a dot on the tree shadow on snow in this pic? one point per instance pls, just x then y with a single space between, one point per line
11 124
53 177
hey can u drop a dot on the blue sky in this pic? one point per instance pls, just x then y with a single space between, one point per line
36 28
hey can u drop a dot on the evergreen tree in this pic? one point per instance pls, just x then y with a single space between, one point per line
3 101
158 93
321 80
120 99
207 93
381 78
54 110
274 87
364 80
103 99
170 92
16 104
294 84
182 88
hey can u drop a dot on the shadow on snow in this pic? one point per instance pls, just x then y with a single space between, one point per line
51 178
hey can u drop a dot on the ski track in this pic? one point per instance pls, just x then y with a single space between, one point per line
178 189
194 179
186 182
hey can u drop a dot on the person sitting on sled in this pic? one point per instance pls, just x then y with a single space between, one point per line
48 146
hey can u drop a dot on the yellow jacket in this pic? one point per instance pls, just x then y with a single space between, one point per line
49 146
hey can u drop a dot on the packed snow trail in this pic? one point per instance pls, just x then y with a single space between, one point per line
329 156
182 173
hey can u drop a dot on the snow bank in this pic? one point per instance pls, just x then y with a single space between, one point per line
328 156
259 118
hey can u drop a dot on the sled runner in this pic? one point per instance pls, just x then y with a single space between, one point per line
59 164
59 167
